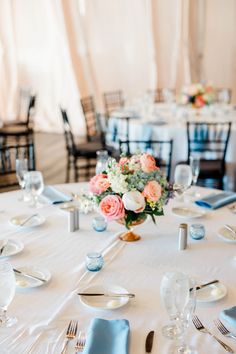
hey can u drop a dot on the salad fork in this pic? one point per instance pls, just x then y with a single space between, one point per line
223 330
79 347
199 326
70 334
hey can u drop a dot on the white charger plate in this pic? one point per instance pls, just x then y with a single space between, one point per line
34 221
211 293
12 247
188 212
23 282
227 235
104 302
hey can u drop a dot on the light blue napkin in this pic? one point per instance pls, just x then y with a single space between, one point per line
54 196
107 337
229 315
217 200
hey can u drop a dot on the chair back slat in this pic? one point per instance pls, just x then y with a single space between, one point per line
112 101
69 137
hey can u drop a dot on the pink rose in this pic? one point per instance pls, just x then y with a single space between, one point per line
148 163
112 207
152 191
123 163
99 184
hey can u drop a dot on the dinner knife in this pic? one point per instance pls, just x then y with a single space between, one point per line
206 284
108 295
230 229
149 342
28 219
29 275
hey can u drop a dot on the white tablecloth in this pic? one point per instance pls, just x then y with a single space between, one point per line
43 313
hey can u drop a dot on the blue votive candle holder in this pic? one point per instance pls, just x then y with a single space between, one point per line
99 223
197 231
94 261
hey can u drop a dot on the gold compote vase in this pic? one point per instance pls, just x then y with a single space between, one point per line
130 235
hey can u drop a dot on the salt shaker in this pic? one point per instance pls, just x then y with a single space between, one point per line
183 233
71 220
76 219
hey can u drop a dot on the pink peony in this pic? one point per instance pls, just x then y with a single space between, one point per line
123 163
134 201
148 163
112 207
99 184
152 191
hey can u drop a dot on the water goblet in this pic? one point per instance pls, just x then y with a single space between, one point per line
195 166
21 170
34 184
102 157
7 292
175 295
182 178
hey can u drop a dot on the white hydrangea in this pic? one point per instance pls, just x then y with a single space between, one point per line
118 182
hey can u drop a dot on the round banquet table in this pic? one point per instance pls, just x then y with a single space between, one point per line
44 312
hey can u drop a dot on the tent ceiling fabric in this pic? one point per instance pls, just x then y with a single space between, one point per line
64 50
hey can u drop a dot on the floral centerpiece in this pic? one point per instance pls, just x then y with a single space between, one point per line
198 95
130 189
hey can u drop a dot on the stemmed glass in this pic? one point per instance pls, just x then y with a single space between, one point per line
182 178
34 184
195 166
7 292
102 157
175 295
21 169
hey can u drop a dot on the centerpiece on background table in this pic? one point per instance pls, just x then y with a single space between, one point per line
198 95
129 190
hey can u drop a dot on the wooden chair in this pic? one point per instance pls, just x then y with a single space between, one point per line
112 101
161 150
210 141
8 156
159 95
80 156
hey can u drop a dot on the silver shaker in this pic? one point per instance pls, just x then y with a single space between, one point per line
183 234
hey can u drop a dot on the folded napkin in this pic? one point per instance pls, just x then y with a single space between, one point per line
216 200
229 315
54 196
107 337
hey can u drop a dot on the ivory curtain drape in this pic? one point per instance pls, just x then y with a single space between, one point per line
66 49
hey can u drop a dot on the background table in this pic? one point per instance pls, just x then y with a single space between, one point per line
43 313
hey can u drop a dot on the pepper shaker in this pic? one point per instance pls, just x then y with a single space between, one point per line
71 220
183 233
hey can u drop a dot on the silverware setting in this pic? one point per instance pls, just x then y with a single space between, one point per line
223 330
198 287
70 334
80 344
228 227
35 277
199 326
27 219
149 342
107 295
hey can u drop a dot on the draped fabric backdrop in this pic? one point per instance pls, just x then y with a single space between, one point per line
66 49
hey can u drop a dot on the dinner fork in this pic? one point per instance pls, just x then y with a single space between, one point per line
79 347
70 334
223 330
199 326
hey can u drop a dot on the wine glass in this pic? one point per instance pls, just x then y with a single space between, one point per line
188 311
102 157
21 169
195 166
175 295
7 292
34 184
182 178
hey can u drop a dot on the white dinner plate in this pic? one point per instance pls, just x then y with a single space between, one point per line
188 212
227 235
211 293
23 282
34 221
103 302
12 247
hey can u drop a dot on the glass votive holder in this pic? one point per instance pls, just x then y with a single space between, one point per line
197 231
94 261
99 223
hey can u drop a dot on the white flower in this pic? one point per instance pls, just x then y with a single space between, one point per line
118 182
134 201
